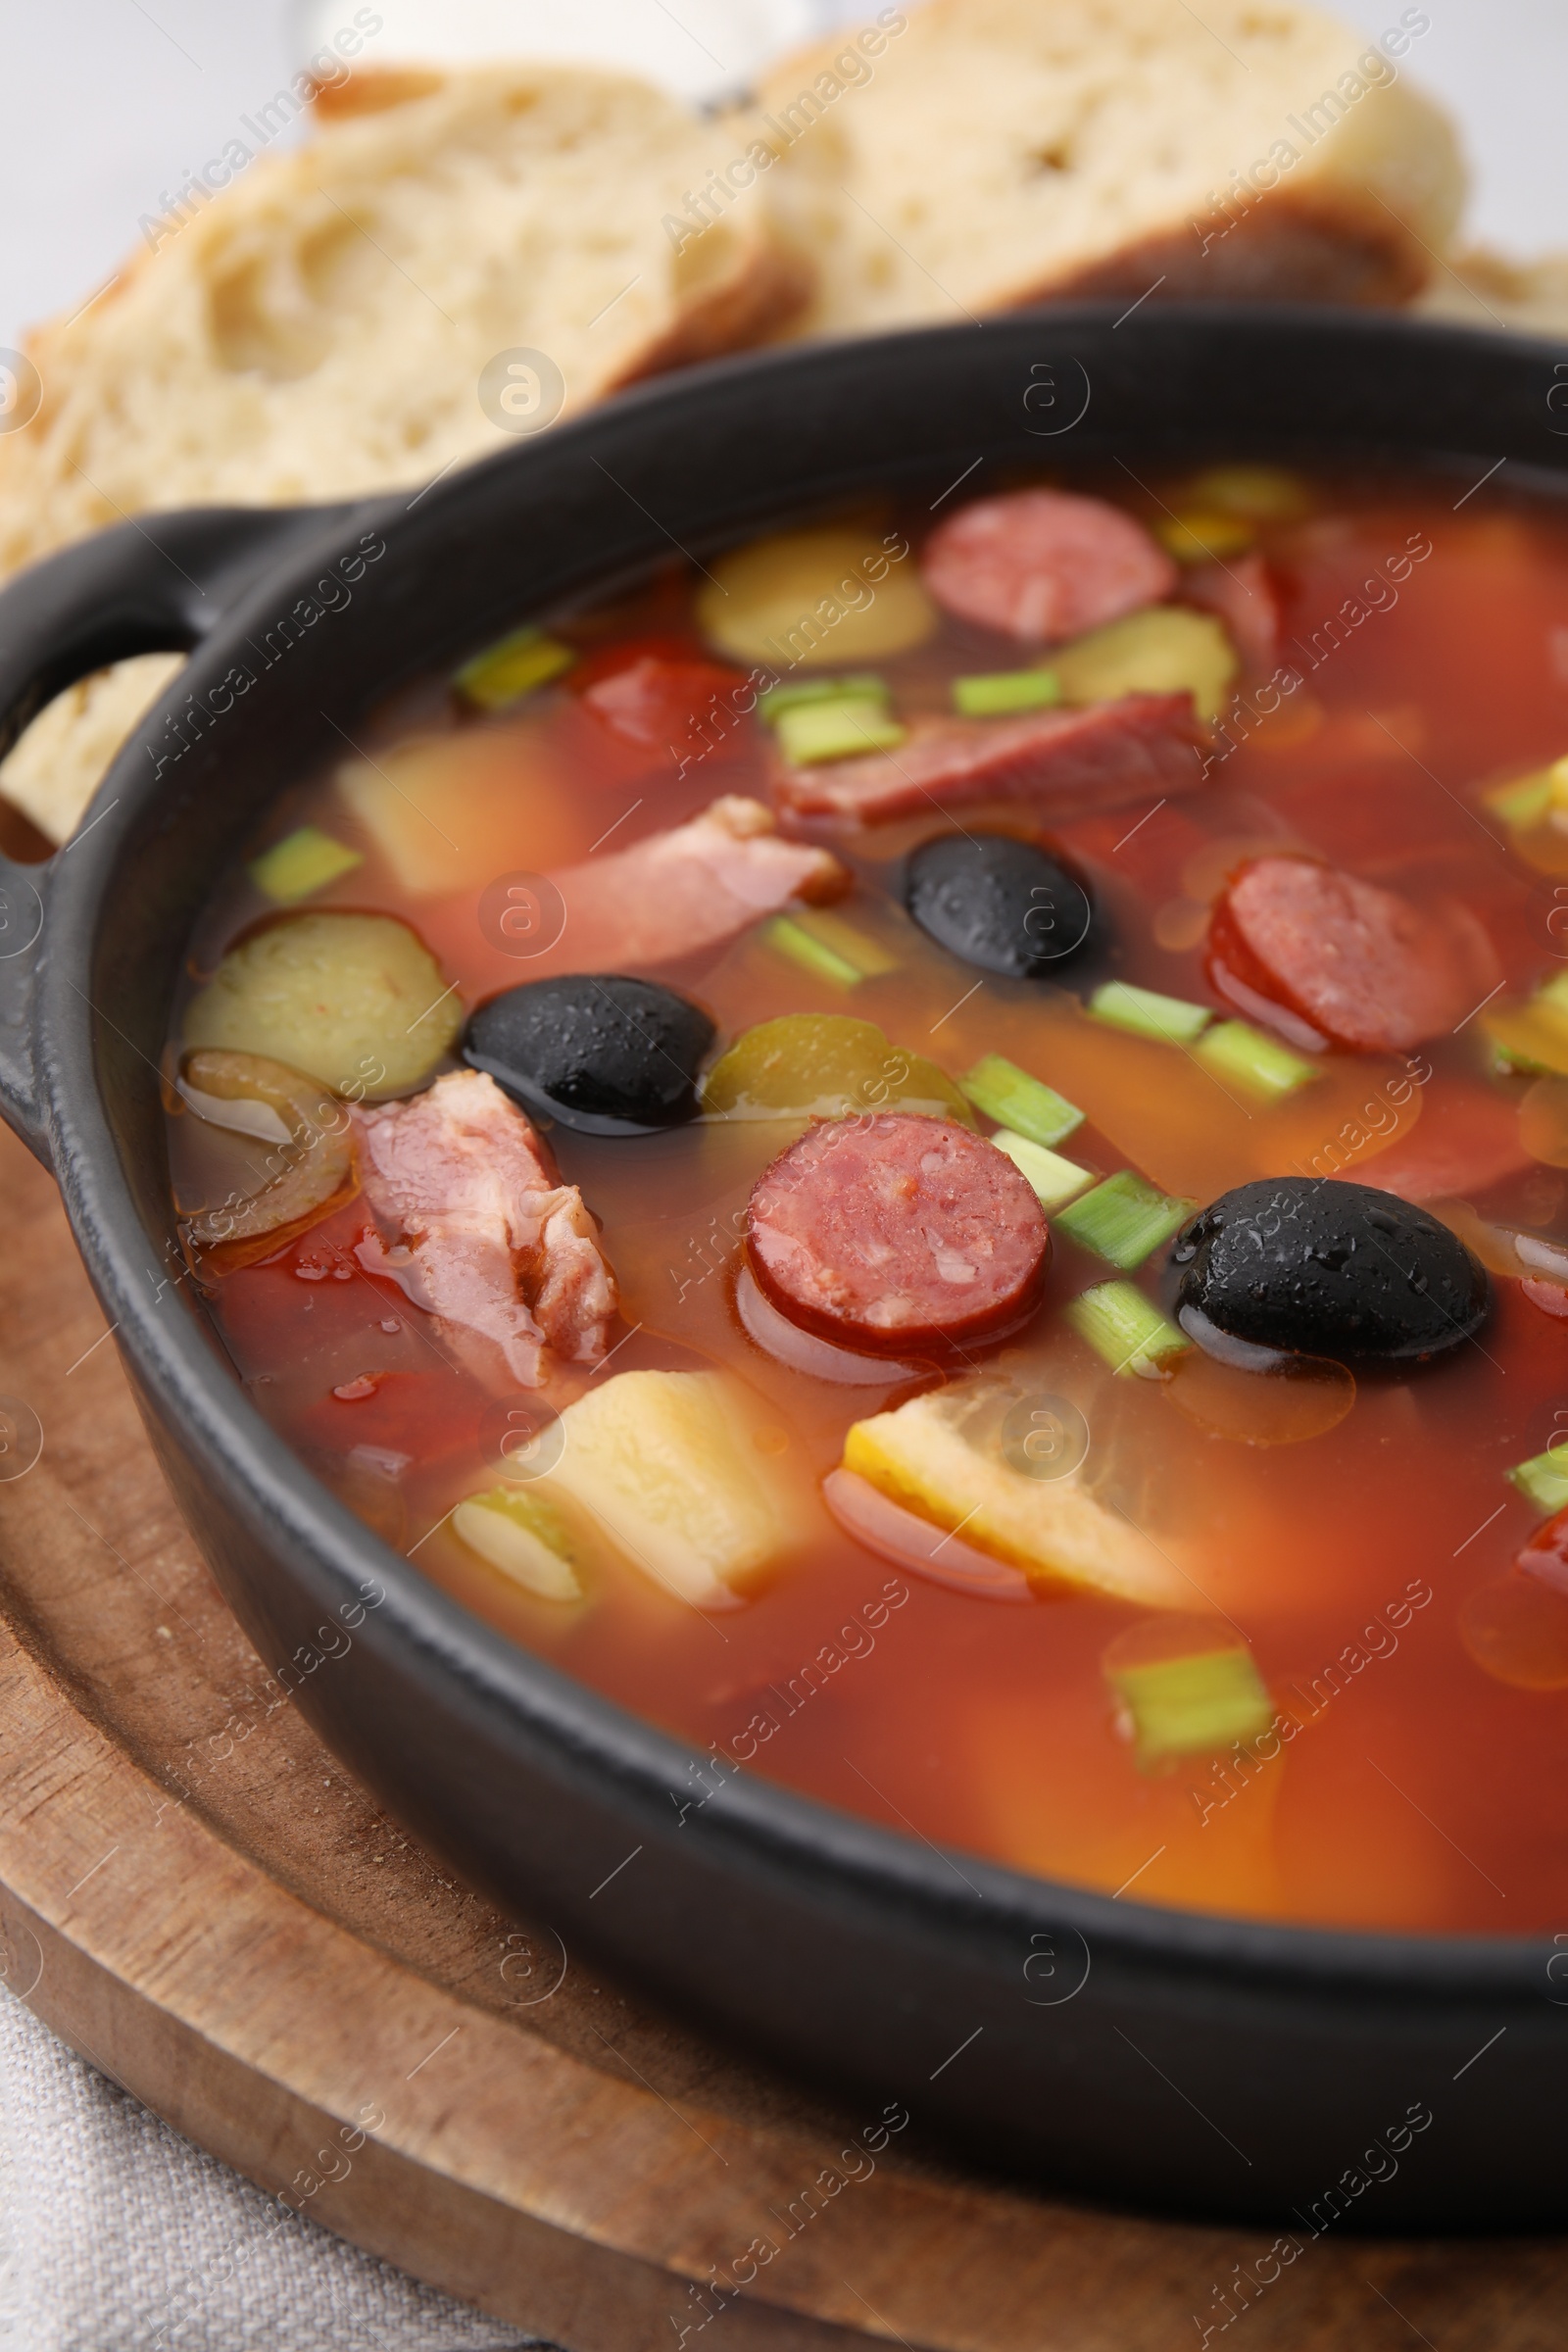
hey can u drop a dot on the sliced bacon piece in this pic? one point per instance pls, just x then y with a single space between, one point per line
1327 956
675 894
893 1232
490 1240
1044 565
692 888
1101 754
1243 595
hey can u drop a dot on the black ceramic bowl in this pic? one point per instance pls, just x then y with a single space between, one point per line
1138 2055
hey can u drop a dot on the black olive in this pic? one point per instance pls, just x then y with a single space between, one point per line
1330 1270
601 1054
1002 904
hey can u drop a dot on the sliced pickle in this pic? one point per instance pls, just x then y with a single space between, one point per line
826 1065
356 1000
1164 650
813 600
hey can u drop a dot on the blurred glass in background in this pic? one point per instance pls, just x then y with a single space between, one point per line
700 50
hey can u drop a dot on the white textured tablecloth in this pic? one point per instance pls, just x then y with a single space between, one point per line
117 2235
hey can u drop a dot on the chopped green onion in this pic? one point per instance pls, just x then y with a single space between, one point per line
1545 1479
1194 1704
1524 803
868 957
1123 1219
813 956
507 670
301 863
1006 690
1255 1060
1014 1099
840 729
522 1536
1125 1328
1055 1180
778 699
1147 1014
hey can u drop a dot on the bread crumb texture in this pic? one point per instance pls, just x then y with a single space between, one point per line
1003 151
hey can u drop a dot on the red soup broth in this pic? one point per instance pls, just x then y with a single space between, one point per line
1406 1770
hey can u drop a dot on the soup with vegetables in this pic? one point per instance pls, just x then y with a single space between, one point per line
936 1153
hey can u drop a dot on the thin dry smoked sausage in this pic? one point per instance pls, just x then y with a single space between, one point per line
894 1232
1101 754
1042 564
1327 956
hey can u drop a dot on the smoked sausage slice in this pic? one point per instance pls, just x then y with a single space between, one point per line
1328 958
891 1232
1044 565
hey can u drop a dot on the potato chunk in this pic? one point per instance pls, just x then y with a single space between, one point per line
680 1472
353 999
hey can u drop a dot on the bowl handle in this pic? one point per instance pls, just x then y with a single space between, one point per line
155 586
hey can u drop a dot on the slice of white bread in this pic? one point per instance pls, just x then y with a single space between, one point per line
994 152
319 329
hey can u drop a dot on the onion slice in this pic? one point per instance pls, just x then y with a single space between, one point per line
804 1352
310 1174
911 1541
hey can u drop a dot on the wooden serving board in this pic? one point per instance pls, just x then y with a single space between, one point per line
198 1899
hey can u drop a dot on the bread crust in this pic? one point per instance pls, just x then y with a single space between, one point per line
374 89
1315 246
1351 204
749 307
